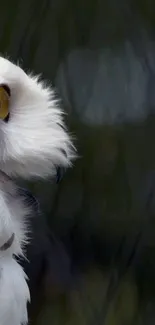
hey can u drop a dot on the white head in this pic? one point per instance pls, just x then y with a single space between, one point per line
33 140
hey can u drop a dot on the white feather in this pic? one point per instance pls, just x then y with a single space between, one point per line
14 292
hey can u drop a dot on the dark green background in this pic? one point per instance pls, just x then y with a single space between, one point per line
104 208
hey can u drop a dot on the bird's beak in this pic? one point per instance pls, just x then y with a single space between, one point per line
60 171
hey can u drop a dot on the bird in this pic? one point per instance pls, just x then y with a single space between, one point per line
34 144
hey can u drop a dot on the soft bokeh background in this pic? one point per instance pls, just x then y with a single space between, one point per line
100 56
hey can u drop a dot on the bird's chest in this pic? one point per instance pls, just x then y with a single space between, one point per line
14 292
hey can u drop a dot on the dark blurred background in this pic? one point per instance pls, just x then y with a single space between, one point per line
100 57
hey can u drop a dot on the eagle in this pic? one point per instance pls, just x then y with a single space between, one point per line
34 143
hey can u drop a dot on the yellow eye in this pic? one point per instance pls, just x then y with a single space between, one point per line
4 103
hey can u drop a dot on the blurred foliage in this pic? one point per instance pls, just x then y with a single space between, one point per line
104 208
88 304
